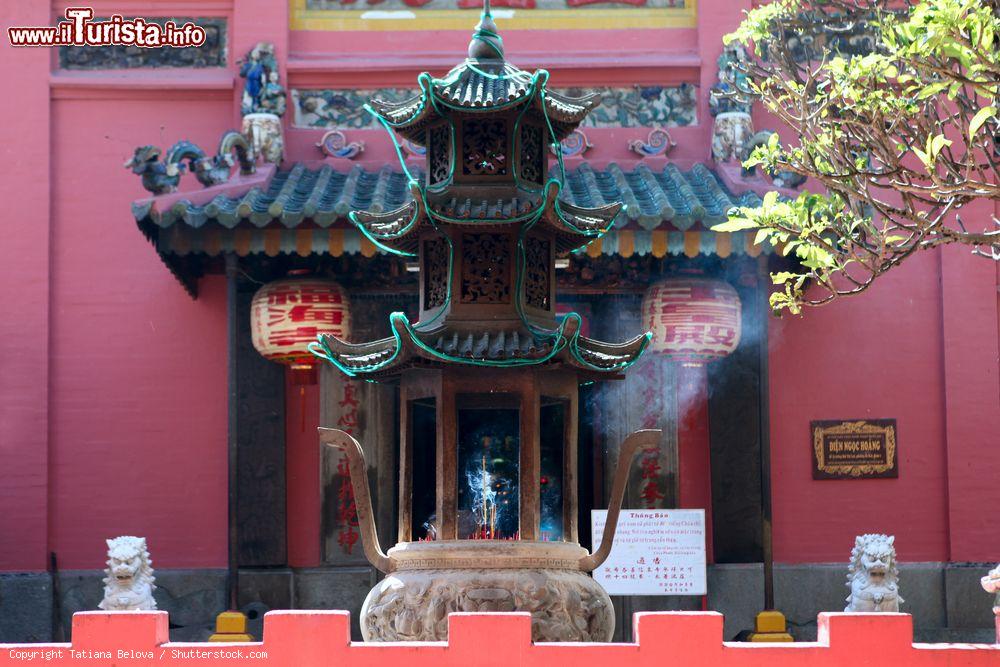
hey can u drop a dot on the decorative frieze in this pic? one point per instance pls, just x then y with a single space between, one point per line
628 106
641 106
334 5
342 109
211 54
813 37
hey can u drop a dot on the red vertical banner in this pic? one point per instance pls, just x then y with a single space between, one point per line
693 452
347 511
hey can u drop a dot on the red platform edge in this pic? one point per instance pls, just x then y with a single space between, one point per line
305 638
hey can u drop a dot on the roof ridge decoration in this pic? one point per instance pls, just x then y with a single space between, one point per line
498 121
486 40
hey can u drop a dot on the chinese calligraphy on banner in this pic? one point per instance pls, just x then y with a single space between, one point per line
347 511
656 552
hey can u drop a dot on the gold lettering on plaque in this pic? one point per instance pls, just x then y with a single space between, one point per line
862 448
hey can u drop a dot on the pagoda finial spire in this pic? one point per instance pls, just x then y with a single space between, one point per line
486 42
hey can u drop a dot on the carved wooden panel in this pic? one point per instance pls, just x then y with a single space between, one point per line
537 286
210 54
486 260
438 154
532 153
260 438
435 271
484 147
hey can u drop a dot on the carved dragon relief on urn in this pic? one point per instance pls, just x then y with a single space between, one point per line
489 376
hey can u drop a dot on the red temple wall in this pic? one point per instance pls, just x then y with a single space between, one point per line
920 347
138 369
878 356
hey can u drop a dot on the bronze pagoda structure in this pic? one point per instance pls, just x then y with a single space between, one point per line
489 376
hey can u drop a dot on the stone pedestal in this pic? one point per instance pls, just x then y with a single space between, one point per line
434 579
263 131
730 133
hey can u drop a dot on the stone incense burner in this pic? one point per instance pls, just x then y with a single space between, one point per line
489 376
427 580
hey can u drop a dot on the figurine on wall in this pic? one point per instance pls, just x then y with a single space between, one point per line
273 100
730 92
264 102
730 106
872 576
128 585
260 69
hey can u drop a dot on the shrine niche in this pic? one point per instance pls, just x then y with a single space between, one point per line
488 376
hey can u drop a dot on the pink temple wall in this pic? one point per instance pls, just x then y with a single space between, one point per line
113 389
138 383
297 638
875 357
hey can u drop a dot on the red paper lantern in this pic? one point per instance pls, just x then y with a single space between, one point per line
693 320
286 315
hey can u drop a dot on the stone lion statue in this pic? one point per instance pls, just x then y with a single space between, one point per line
991 584
872 576
129 584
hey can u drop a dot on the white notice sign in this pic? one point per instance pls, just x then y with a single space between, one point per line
656 552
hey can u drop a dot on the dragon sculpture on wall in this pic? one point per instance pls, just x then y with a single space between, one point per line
129 584
162 176
872 576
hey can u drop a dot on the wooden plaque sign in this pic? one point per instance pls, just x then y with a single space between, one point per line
854 449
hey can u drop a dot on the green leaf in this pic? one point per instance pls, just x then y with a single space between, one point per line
977 121
932 89
937 144
735 225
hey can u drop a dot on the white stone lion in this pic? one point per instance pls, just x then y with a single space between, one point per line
872 576
129 584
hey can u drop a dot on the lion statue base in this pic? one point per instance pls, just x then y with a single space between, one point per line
872 576
128 585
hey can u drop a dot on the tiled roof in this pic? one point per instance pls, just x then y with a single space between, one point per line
303 210
322 196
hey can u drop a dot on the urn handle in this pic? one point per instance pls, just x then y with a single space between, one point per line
346 443
645 439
